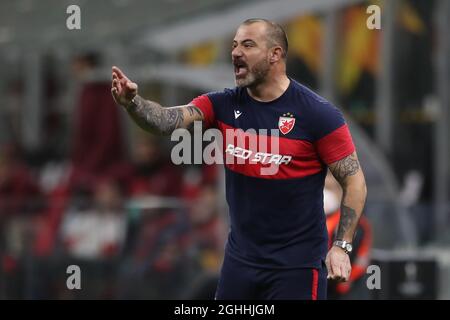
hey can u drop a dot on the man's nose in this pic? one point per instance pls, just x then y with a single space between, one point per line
236 53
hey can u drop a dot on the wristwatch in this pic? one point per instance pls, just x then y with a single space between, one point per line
346 246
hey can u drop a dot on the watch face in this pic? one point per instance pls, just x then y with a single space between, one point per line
344 245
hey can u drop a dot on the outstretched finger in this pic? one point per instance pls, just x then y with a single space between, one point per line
118 72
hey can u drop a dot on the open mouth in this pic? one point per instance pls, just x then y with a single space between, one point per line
240 69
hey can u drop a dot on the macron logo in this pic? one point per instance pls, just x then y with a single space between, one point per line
237 114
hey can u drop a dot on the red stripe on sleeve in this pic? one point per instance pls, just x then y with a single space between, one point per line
335 145
315 284
205 105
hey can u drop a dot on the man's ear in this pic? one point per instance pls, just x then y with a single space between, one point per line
275 54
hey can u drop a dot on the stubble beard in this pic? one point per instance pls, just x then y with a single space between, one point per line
256 75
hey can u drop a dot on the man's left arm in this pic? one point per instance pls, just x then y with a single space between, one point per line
348 173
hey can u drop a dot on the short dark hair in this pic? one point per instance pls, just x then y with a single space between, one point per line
275 34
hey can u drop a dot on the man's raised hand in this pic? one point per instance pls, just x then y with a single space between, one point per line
123 89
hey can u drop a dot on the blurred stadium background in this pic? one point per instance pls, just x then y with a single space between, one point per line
81 184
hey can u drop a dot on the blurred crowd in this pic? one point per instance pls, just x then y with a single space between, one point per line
137 225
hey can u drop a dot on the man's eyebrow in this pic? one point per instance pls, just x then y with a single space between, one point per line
245 40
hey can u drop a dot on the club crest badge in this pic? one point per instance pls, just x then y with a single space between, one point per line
286 123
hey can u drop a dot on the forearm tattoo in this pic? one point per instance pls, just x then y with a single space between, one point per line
342 169
152 117
348 166
347 221
194 112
